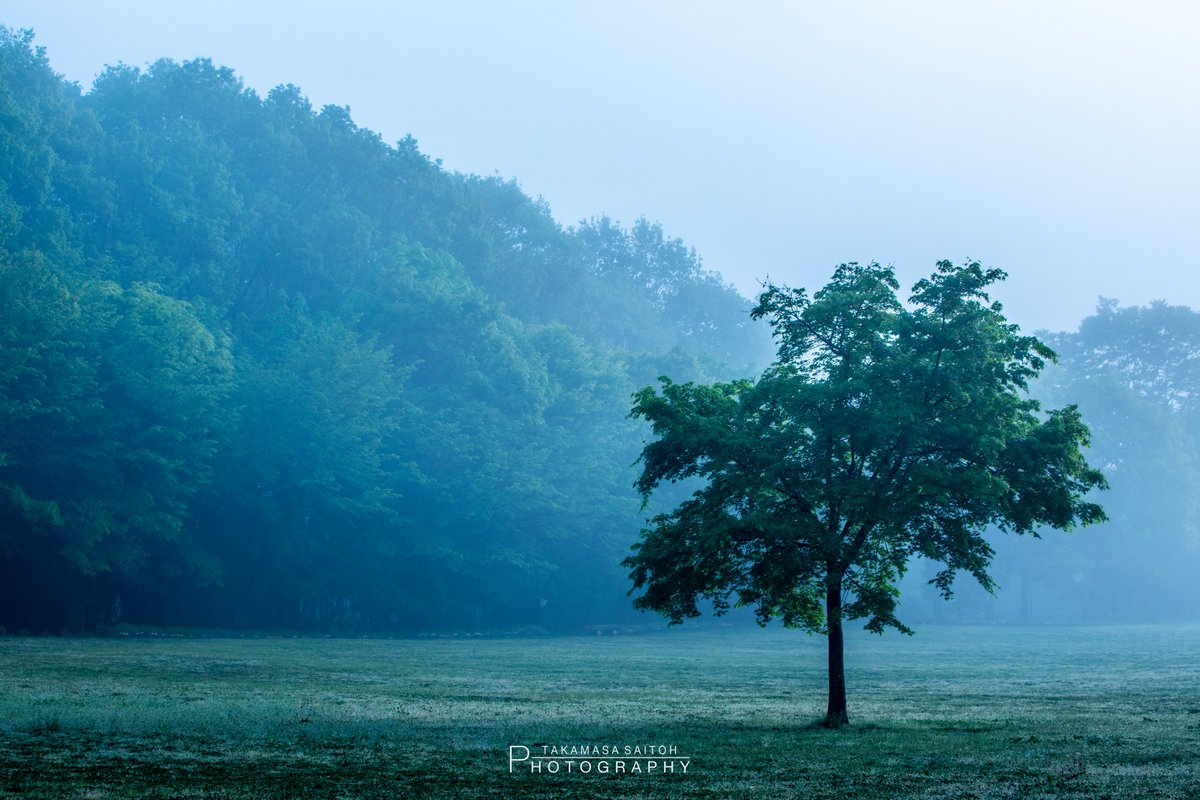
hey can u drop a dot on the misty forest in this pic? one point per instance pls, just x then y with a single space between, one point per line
329 471
261 370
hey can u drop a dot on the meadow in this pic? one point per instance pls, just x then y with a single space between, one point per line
953 712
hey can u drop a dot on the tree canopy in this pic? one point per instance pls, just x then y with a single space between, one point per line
259 368
880 432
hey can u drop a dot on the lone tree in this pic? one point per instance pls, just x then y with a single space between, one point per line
879 433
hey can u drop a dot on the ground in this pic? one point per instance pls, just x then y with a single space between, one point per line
953 712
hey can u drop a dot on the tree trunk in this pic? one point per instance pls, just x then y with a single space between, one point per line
835 715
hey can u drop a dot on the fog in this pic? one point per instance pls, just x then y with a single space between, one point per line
264 369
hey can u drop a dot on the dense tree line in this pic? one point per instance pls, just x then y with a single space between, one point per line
259 368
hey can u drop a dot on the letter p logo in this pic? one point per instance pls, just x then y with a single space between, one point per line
512 755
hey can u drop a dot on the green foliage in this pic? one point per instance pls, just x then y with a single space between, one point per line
305 495
661 279
880 433
260 368
111 398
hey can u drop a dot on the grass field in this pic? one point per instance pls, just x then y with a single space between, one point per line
951 712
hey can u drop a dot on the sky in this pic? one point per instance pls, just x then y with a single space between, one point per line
1059 141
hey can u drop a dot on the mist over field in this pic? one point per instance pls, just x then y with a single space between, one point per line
267 372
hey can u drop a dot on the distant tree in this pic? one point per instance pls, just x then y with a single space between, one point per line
1135 372
880 432
1153 349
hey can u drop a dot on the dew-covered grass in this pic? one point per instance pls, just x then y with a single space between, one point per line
951 712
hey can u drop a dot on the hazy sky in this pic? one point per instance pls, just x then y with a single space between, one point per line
1057 140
